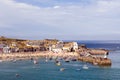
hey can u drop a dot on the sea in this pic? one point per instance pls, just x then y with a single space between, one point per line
73 70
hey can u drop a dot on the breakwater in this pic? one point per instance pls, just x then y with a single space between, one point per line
96 61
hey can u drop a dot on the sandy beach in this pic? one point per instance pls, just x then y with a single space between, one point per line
28 55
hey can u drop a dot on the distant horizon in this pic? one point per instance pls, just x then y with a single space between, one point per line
57 39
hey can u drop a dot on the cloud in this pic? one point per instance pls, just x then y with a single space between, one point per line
91 18
108 6
56 7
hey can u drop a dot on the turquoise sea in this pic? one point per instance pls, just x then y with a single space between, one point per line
26 70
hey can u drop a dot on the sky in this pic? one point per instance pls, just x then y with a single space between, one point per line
60 19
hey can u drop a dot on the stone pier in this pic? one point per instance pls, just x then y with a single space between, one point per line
96 61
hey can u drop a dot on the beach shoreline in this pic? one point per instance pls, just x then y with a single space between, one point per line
50 54
29 55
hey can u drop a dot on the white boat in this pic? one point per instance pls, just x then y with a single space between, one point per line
95 63
46 60
85 67
1 60
67 60
62 69
17 75
35 62
58 63
14 60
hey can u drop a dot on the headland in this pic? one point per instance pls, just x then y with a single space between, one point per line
17 49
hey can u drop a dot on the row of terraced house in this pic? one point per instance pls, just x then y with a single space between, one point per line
38 45
53 45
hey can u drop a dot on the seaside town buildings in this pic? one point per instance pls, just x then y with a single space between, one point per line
8 45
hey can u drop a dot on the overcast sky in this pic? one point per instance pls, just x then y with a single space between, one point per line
60 19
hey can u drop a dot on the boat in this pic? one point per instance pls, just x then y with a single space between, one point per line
67 60
1 60
50 58
35 62
95 63
85 67
62 69
31 59
46 60
58 63
73 59
17 75
54 57
14 60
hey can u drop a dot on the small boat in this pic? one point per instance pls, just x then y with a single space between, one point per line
31 59
62 69
50 58
95 63
58 63
17 75
14 60
35 62
46 60
54 57
1 60
67 60
73 59
85 67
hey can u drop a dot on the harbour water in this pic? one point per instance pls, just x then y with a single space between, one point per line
73 70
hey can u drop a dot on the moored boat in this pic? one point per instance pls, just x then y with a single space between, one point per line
35 62
85 66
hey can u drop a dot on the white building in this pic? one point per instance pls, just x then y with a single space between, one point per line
6 49
75 46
